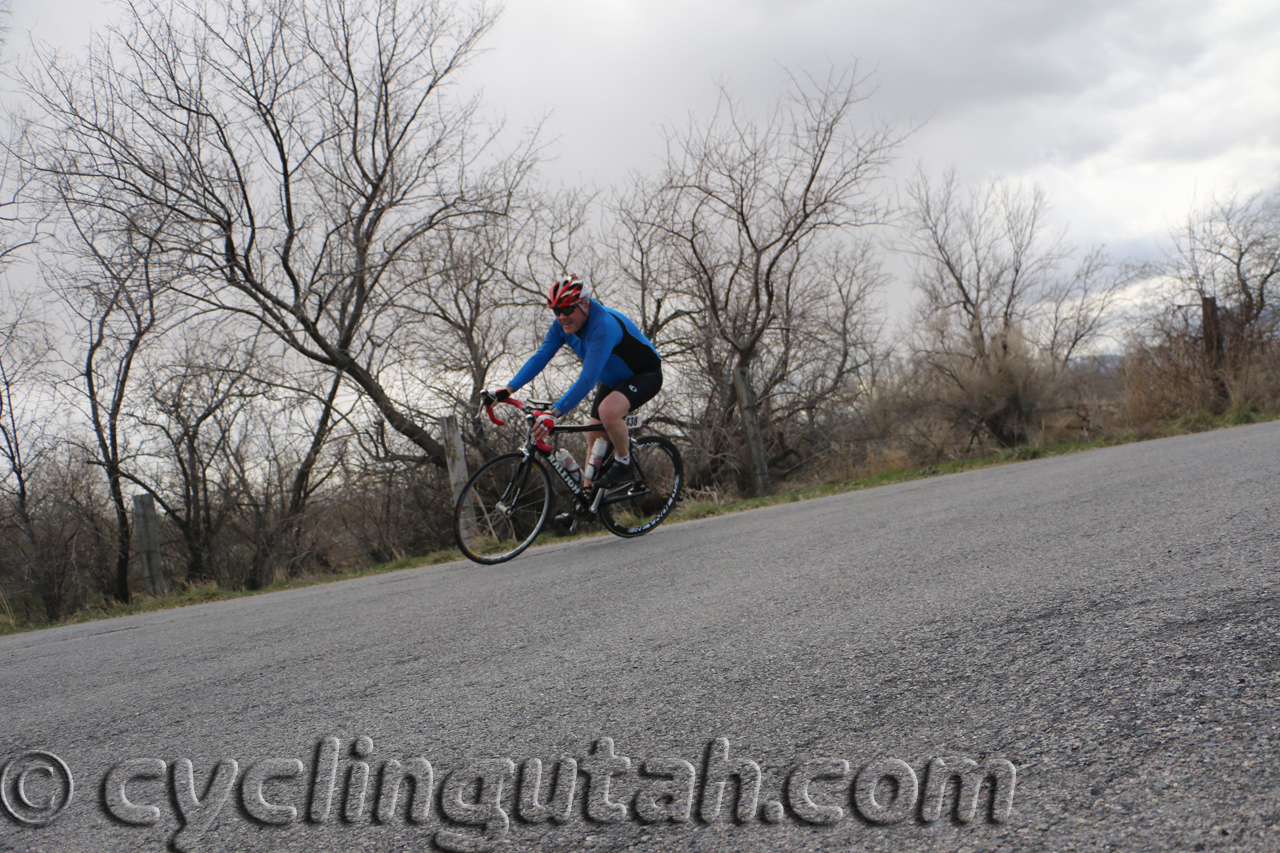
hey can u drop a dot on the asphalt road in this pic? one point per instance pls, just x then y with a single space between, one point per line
1099 633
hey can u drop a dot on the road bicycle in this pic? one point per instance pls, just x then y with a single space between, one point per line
508 501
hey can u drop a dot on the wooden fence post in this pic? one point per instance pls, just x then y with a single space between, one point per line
455 455
148 530
748 408
1215 352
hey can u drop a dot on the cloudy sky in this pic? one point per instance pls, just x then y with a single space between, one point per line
1125 111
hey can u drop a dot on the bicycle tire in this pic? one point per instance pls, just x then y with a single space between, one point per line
508 499
651 498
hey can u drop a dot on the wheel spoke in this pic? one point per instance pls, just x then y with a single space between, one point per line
509 500
660 471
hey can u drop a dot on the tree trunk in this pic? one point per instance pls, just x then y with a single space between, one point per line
123 535
395 418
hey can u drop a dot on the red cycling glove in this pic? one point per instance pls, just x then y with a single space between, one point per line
547 421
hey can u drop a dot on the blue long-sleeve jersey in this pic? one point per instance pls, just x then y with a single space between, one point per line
612 348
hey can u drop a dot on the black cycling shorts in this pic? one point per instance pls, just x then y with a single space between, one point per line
638 390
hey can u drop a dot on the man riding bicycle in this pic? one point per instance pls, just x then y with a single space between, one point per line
614 353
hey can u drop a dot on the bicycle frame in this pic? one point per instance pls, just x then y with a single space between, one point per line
505 504
530 408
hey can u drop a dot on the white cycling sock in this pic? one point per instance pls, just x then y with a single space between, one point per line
622 460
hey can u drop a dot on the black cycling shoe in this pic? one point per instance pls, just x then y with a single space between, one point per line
617 475
566 521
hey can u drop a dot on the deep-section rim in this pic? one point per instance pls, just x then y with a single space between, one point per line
606 509
470 487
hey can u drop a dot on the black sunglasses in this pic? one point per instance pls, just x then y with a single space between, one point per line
565 312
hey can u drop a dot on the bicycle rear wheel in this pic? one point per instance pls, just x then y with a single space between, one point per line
502 508
634 509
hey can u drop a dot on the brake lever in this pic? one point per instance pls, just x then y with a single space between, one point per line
486 404
531 411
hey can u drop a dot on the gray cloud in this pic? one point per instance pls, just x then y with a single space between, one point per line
1115 102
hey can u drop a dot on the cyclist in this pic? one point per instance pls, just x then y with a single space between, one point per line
614 353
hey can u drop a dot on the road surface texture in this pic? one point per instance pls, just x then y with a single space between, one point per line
1098 633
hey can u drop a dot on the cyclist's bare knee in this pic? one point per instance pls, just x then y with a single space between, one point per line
613 409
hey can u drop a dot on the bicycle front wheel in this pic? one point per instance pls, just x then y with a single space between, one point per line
502 508
634 509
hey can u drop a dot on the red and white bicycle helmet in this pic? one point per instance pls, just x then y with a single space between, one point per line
566 293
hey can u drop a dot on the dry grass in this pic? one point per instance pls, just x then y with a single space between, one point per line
881 468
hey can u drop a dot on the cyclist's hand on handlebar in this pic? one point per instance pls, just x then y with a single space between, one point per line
497 395
489 398
543 424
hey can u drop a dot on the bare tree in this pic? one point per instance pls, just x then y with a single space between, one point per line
25 350
479 296
29 439
1227 258
54 528
111 280
20 224
1001 315
654 278
198 401
278 457
296 152
26 439
748 209
824 347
